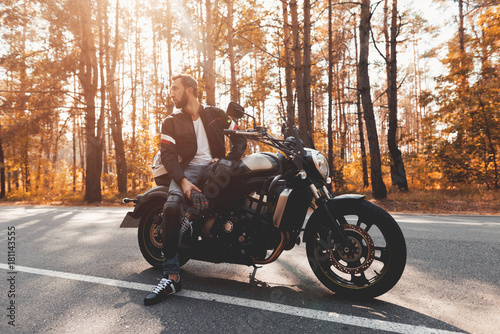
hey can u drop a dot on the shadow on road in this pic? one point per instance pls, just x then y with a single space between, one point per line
303 295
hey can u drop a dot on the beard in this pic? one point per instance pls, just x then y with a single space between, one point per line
182 102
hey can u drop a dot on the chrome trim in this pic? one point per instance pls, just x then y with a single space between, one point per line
280 207
314 191
327 193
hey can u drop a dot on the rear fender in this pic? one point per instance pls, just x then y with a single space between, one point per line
158 193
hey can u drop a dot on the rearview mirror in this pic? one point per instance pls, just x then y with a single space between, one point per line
235 110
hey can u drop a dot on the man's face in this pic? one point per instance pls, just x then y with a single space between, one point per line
179 94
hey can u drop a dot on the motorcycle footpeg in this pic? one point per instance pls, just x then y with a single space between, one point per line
129 200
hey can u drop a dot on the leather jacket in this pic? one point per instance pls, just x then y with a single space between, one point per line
178 139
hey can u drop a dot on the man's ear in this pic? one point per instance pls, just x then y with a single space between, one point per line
191 90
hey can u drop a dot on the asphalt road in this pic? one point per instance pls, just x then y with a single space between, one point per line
77 272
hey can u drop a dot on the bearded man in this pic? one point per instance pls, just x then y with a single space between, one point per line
191 139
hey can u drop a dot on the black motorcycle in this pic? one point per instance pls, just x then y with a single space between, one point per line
354 247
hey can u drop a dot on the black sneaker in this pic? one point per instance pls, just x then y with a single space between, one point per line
165 288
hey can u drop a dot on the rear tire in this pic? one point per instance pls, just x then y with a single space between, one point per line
150 236
379 255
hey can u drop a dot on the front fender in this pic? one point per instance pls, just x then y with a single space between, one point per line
333 204
339 200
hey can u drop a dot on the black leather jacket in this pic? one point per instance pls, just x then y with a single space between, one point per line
178 139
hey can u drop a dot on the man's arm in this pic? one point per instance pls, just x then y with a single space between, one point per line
169 154
170 159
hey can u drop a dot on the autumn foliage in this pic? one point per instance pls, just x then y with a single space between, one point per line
84 88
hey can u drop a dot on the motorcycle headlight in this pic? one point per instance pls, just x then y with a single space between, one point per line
321 163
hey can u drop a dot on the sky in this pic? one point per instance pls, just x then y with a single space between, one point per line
443 16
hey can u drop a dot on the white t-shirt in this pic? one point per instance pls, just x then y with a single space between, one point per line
203 155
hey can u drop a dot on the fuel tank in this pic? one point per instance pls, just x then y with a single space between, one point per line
261 164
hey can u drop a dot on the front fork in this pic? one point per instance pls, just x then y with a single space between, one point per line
332 224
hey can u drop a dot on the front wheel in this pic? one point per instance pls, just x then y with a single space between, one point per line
377 257
150 236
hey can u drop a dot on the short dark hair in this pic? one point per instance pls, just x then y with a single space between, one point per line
187 81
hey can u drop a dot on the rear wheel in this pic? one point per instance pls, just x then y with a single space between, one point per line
377 257
150 236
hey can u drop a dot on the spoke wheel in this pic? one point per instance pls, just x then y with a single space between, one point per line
372 264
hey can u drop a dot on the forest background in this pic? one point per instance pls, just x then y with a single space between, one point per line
405 108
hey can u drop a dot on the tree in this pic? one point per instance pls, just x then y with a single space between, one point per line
88 75
364 164
230 40
2 167
116 122
307 74
378 187
466 147
290 108
398 174
299 73
330 87
209 68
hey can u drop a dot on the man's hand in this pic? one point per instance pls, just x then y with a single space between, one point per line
187 187
200 202
214 160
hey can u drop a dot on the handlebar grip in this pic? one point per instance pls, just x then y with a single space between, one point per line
228 132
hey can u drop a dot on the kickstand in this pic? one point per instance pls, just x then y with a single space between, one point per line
252 276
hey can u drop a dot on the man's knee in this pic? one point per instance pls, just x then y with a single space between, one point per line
173 207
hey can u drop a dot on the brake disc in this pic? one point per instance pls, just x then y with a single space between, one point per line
361 253
155 233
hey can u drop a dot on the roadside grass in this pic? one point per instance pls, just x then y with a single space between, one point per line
459 200
466 200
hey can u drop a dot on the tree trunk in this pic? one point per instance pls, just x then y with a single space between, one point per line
21 104
2 168
116 121
290 108
342 130
170 104
230 44
74 150
307 73
101 14
88 75
361 132
330 88
461 30
209 71
490 145
398 175
299 74
378 187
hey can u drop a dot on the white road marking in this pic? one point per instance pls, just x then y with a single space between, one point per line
410 221
448 220
244 302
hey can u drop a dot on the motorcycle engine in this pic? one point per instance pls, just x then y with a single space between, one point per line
246 233
232 230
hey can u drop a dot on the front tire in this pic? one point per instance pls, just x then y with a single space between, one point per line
378 255
150 236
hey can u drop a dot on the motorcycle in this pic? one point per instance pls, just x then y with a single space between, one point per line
354 247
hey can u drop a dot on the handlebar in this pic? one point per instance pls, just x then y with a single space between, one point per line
260 134
241 132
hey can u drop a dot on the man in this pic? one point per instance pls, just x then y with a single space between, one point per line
190 139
